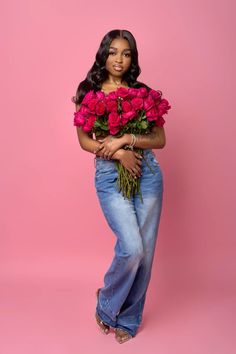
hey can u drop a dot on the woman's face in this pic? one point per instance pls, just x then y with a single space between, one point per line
119 58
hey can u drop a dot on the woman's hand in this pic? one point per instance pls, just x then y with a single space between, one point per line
109 145
131 160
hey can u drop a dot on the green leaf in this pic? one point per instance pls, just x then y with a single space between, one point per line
104 126
144 125
96 124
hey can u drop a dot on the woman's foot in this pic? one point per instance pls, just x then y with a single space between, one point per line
121 335
103 326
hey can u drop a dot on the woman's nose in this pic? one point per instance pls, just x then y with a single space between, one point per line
118 58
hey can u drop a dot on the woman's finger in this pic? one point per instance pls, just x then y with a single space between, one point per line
109 155
137 171
106 154
97 149
131 172
138 155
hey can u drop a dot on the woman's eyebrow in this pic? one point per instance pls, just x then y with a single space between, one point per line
123 50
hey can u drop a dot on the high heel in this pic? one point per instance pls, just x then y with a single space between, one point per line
103 326
122 336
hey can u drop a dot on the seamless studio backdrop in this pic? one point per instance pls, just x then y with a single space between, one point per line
55 243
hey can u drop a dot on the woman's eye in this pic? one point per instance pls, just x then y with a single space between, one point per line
125 54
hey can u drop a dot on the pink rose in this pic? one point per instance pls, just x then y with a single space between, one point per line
114 130
92 104
111 106
111 96
89 95
137 103
114 123
100 95
148 103
89 123
155 94
142 92
79 119
124 121
132 92
126 106
84 110
163 107
125 117
152 114
122 92
100 108
160 122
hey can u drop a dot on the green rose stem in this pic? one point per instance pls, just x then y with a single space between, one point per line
127 184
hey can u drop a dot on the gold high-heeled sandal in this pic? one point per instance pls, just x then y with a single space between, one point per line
122 336
103 326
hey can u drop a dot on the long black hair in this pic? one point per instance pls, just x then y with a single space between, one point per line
98 73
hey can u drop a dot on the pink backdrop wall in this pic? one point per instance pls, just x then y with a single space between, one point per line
55 243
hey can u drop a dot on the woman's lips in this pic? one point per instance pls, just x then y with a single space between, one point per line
117 67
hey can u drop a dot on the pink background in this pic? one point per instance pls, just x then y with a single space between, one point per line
55 243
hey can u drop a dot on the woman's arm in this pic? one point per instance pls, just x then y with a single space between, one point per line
91 145
129 159
87 143
154 140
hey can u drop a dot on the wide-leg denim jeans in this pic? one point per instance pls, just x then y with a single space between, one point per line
135 225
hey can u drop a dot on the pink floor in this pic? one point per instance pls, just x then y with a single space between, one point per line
55 315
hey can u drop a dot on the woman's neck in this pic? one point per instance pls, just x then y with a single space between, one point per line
113 84
114 81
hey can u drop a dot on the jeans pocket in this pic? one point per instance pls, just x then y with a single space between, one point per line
154 160
152 166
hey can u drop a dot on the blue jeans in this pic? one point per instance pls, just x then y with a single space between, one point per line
135 225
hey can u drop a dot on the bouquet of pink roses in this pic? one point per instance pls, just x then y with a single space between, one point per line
126 110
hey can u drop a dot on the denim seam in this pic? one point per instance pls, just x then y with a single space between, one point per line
108 302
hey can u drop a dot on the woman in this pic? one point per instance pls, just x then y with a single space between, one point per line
120 302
